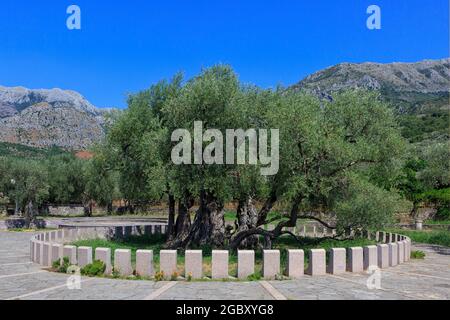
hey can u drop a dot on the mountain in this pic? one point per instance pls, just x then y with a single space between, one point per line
418 92
45 118
409 86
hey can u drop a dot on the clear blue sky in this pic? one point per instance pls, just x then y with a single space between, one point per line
125 46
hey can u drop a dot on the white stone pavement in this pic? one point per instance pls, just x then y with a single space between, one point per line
416 279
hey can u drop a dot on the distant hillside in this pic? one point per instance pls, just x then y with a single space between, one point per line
21 151
46 118
418 91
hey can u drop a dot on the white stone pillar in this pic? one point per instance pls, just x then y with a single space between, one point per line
370 256
104 255
71 253
393 254
246 263
193 264
355 259
337 263
84 256
168 262
219 267
296 263
317 262
122 262
144 263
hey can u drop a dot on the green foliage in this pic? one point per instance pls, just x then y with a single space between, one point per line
442 214
254 276
65 178
417 254
159 276
365 205
61 266
24 181
25 152
438 237
96 268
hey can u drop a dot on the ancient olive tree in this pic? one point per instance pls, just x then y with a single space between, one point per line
337 159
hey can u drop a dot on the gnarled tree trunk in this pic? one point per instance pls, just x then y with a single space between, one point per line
247 219
208 226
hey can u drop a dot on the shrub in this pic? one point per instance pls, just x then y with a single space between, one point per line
417 254
174 276
159 276
442 214
61 266
254 277
96 268
189 276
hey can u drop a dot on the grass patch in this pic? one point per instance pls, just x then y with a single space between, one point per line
156 242
417 254
438 237
443 222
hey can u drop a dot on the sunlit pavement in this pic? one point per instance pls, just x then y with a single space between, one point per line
416 279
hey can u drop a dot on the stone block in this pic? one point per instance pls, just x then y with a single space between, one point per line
370 256
122 262
57 253
338 261
401 252
193 264
38 252
104 255
393 254
355 261
84 256
271 263
219 264
317 262
168 262
246 263
383 255
144 263
46 254
71 253
296 263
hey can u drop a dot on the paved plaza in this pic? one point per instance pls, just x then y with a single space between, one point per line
415 279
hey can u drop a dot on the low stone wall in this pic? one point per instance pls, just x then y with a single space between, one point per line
66 211
47 247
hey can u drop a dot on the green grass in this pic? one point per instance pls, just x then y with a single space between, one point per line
443 222
438 237
417 254
156 242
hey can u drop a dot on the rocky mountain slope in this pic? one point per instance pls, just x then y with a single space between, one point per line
407 85
45 118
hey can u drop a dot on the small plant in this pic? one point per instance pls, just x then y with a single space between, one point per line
279 277
417 254
254 277
174 276
96 268
56 264
189 276
115 273
61 265
159 276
